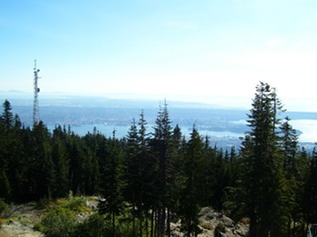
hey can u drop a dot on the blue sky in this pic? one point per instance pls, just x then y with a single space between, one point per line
208 51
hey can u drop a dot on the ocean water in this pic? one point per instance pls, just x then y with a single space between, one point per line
122 130
308 128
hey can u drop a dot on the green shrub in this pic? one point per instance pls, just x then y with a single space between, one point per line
97 225
93 226
76 204
59 222
39 227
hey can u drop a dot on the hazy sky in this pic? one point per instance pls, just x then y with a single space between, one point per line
215 51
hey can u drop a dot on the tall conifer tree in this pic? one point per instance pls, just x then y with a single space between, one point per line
189 202
263 165
289 146
161 144
113 183
132 174
61 160
311 191
42 166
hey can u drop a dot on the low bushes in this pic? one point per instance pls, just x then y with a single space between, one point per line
59 222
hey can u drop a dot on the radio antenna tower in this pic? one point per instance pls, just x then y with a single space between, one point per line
36 100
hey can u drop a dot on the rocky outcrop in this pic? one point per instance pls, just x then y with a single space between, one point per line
16 228
22 220
214 224
211 223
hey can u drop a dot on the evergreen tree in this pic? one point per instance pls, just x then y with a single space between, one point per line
42 170
132 174
145 174
16 159
232 168
96 146
6 124
289 143
139 172
90 174
173 174
26 190
233 198
76 154
303 168
161 146
11 151
61 161
174 171
221 179
208 179
7 116
264 179
311 190
289 146
189 202
113 183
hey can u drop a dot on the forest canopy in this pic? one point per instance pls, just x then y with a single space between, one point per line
269 179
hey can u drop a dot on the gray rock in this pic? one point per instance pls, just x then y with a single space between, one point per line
214 224
227 221
16 228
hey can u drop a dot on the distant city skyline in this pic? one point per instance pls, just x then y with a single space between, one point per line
213 52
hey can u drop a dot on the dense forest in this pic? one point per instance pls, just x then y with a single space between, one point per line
162 175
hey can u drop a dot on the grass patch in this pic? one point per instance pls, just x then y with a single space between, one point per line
76 204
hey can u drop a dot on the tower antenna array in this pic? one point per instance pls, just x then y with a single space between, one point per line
36 100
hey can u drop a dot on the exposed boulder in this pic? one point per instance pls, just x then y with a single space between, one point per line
214 224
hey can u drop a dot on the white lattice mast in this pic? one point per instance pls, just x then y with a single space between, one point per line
36 100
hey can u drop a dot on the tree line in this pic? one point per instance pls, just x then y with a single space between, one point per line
162 175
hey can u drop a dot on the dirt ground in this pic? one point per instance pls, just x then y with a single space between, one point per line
21 221
5 235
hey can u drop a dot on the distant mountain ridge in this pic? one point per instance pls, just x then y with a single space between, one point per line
62 99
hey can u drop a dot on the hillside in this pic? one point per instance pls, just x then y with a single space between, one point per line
163 173
24 220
